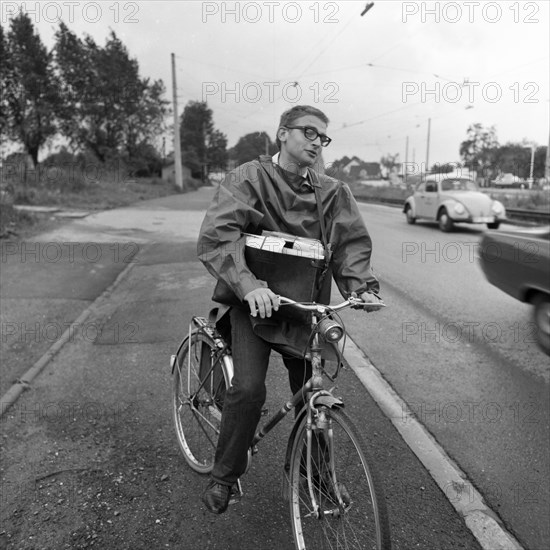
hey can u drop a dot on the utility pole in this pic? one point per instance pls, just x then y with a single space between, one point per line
177 146
406 167
428 146
533 147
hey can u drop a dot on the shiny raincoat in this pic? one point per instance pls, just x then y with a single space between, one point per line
260 195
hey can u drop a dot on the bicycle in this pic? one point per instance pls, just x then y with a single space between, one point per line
336 498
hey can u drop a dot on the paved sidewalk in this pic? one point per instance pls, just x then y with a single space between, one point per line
48 281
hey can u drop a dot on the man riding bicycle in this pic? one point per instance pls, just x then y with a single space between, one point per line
280 194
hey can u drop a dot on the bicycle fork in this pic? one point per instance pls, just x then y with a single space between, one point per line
317 420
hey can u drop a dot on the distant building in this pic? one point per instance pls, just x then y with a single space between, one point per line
354 161
169 172
365 171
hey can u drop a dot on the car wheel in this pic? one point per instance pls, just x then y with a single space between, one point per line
541 317
445 223
410 218
494 225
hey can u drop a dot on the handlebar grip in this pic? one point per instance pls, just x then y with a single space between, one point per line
365 305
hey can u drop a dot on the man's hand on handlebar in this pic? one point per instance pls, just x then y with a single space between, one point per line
372 301
262 301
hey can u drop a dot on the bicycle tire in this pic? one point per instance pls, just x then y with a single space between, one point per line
199 384
358 519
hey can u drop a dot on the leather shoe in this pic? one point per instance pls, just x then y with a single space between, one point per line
216 497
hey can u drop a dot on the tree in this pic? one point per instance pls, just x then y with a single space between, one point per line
29 88
251 146
108 107
512 158
202 145
444 168
478 151
515 158
389 161
5 77
146 161
541 153
217 150
190 158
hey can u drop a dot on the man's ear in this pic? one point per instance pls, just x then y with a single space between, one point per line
282 133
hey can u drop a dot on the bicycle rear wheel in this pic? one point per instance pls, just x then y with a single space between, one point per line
352 508
200 381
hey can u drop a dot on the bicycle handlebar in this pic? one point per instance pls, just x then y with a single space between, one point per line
353 302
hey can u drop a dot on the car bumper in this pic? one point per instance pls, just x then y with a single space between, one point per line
483 219
478 219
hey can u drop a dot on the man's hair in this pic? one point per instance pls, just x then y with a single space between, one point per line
298 111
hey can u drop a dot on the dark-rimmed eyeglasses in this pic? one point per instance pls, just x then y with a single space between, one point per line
312 134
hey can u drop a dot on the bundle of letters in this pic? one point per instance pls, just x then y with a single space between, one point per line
283 243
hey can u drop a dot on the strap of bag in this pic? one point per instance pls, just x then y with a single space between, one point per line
326 244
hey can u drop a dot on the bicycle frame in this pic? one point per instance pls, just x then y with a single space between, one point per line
312 392
314 384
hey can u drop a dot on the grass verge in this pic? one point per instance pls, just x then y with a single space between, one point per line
97 195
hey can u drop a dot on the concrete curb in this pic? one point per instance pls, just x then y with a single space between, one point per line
24 383
468 502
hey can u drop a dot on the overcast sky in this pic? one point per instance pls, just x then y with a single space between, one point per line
378 77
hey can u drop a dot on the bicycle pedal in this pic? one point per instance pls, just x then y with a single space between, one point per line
236 495
234 499
264 412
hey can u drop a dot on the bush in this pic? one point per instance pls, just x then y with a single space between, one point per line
11 220
156 181
192 183
387 193
528 200
61 171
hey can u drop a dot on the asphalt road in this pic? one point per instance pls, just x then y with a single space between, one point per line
462 354
89 455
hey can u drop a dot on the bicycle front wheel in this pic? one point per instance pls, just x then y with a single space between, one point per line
199 385
342 504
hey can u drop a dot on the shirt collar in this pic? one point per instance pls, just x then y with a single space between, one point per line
305 172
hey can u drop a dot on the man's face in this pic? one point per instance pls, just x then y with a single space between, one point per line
295 147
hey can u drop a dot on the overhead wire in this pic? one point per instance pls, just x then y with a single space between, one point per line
303 73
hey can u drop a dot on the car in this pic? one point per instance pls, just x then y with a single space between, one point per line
518 262
509 180
450 200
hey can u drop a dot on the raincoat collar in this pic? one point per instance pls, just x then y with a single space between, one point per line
310 177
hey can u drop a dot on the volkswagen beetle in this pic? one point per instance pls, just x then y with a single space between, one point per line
450 200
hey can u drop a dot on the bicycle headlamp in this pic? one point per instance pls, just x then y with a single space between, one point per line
330 330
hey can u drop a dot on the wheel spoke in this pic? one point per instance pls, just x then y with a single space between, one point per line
351 504
199 387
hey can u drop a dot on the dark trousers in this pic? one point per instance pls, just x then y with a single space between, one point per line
244 400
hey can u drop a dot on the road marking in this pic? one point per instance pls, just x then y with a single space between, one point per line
24 383
480 519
